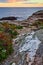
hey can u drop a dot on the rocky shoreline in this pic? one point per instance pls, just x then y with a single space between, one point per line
20 56
16 56
39 53
37 16
8 18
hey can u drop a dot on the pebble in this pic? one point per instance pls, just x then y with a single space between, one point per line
13 64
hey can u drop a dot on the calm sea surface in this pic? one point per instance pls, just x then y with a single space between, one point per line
21 13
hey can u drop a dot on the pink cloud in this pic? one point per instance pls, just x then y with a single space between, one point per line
14 0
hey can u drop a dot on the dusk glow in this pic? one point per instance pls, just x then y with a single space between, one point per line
21 3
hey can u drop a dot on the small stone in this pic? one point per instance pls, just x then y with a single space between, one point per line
13 64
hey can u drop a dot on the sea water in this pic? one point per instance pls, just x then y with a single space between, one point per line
20 12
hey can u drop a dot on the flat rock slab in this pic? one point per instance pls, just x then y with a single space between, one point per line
39 34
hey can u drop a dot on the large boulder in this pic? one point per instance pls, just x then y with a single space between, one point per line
9 18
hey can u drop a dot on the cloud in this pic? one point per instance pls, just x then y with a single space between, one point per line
15 0
19 5
23 1
26 1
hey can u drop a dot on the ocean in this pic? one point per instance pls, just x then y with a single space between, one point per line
21 12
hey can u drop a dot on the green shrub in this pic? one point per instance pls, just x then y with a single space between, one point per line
7 33
13 33
41 27
19 27
5 45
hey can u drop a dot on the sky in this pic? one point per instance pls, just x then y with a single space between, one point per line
21 3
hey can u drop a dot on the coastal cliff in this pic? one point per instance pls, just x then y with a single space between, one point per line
22 41
36 16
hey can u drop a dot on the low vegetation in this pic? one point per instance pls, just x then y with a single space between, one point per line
7 33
